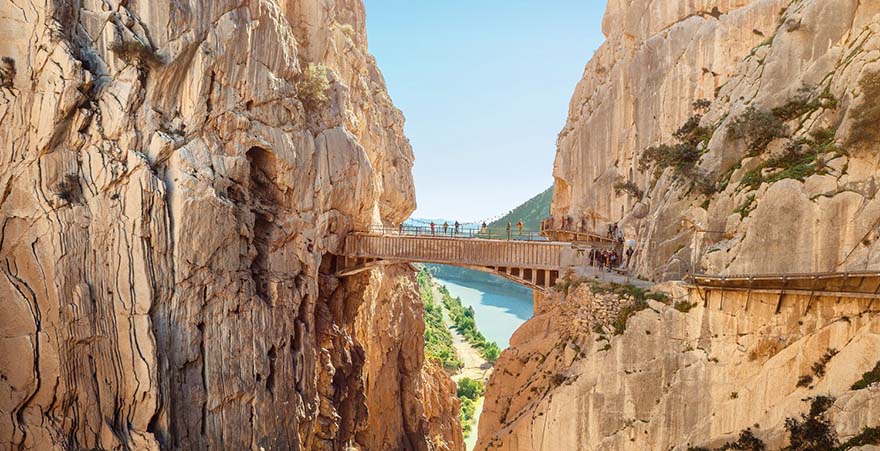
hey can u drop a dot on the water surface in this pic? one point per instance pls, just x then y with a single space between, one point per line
499 308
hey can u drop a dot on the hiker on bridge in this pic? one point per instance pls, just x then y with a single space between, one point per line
400 228
432 228
508 230
445 227
483 227
456 227
520 226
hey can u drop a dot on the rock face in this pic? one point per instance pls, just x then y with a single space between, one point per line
673 380
175 178
412 403
730 207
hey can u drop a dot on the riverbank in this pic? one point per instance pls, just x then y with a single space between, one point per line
474 365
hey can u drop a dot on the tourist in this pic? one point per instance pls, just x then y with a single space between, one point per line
583 224
400 229
592 257
629 254
483 227
519 225
610 231
445 227
456 227
508 230
432 228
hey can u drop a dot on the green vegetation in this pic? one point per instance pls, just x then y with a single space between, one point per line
627 186
868 436
464 322
803 104
812 431
747 442
531 212
313 86
637 297
871 377
469 391
7 72
819 367
438 339
691 141
747 207
470 388
684 306
800 160
135 51
867 114
759 128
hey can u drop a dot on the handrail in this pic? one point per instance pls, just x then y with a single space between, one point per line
514 234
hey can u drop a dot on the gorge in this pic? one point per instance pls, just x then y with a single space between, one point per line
180 181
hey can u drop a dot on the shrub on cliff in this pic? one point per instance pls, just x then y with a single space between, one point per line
7 72
871 377
313 86
758 128
135 51
812 431
867 114
691 139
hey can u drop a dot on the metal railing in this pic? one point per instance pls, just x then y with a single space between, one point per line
568 225
450 231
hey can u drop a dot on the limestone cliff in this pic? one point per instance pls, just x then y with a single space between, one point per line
576 378
775 171
175 178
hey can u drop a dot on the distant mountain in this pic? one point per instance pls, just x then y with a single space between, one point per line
531 212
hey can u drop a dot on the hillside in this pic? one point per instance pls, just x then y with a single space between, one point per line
531 212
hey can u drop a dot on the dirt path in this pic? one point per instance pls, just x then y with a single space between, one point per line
475 366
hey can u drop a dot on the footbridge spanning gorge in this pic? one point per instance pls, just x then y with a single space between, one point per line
522 257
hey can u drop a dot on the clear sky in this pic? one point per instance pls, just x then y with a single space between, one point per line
484 86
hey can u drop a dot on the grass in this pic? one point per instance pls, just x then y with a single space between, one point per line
438 339
868 378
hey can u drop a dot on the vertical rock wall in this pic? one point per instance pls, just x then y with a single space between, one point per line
662 56
673 380
171 193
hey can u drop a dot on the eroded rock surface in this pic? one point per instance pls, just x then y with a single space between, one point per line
808 62
671 379
172 189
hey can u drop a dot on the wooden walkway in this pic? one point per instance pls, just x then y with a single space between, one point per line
536 264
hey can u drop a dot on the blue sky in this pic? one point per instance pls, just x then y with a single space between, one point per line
484 86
